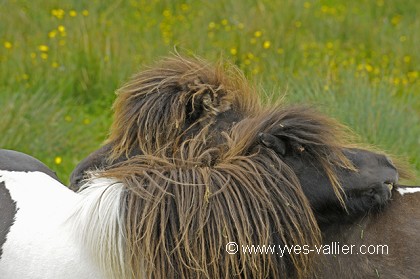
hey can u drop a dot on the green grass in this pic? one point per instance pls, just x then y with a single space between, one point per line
61 61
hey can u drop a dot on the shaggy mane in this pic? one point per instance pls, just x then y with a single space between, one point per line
166 103
196 184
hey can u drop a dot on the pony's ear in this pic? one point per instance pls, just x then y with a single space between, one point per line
198 105
277 144
204 99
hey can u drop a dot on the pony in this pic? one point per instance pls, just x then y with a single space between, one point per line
165 105
57 233
194 162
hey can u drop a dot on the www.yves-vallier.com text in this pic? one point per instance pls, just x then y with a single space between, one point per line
333 248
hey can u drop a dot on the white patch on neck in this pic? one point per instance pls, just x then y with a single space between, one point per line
99 221
408 190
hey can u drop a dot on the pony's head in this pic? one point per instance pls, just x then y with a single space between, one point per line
367 189
318 151
366 185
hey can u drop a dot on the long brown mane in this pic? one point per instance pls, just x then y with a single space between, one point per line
160 106
187 196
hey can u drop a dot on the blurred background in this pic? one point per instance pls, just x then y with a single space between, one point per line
61 62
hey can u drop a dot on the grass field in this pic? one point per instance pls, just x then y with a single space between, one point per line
61 61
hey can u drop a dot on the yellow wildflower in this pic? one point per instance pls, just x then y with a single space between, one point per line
58 160
413 75
329 45
257 34
85 12
166 13
72 13
52 34
250 55
8 45
369 68
43 48
233 51
266 44
58 13
396 20
185 7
